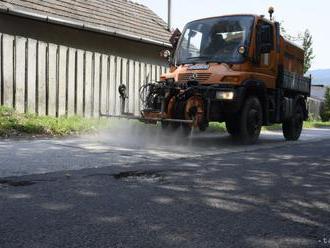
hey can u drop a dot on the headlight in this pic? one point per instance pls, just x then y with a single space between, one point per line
224 95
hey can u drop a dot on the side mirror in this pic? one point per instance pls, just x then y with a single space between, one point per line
174 40
166 54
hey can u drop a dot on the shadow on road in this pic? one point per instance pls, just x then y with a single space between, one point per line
270 198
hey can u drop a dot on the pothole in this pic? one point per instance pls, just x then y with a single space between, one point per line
16 183
139 176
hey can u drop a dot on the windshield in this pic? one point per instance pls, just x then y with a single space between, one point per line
215 40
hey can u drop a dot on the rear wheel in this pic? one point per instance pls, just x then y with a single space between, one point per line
250 122
292 128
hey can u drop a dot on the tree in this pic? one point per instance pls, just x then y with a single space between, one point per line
307 44
306 41
325 112
286 35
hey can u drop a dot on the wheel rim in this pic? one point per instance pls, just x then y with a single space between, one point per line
194 110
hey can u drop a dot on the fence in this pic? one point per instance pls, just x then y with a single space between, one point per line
55 80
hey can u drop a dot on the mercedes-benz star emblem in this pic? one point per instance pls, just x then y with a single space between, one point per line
193 77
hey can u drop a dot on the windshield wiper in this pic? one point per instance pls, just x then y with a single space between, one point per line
189 60
199 57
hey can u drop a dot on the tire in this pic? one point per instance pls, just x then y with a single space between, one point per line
292 128
250 121
232 126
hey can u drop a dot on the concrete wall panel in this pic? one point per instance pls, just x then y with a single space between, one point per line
42 71
131 81
52 75
31 75
88 84
118 82
112 85
137 81
80 83
104 108
71 79
20 74
96 84
8 69
62 80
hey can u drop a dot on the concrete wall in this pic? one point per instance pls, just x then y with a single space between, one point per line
314 108
53 70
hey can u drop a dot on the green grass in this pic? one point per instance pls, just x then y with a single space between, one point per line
14 124
217 127
316 124
275 127
221 127
307 124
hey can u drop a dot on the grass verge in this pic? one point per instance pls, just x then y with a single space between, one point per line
307 124
15 124
221 127
217 127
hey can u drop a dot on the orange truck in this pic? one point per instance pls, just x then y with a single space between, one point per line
236 69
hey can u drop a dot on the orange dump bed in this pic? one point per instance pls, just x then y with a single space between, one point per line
292 57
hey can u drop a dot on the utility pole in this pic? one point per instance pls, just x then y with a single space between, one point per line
169 14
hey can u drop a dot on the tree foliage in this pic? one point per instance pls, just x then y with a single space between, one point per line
288 36
306 41
307 44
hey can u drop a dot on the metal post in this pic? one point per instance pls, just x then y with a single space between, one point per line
169 14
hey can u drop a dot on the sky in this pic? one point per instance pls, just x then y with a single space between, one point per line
296 16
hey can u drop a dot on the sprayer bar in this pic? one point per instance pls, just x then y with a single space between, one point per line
131 117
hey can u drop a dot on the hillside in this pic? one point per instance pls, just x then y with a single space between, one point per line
320 76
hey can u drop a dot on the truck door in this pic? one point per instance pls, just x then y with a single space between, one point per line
266 54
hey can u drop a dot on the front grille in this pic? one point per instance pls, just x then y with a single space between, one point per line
200 77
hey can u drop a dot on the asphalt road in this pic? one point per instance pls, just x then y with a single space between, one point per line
133 187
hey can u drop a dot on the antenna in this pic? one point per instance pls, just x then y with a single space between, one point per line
271 12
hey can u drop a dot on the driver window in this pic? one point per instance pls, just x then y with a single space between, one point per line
266 45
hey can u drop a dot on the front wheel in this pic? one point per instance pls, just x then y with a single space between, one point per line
292 128
250 121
